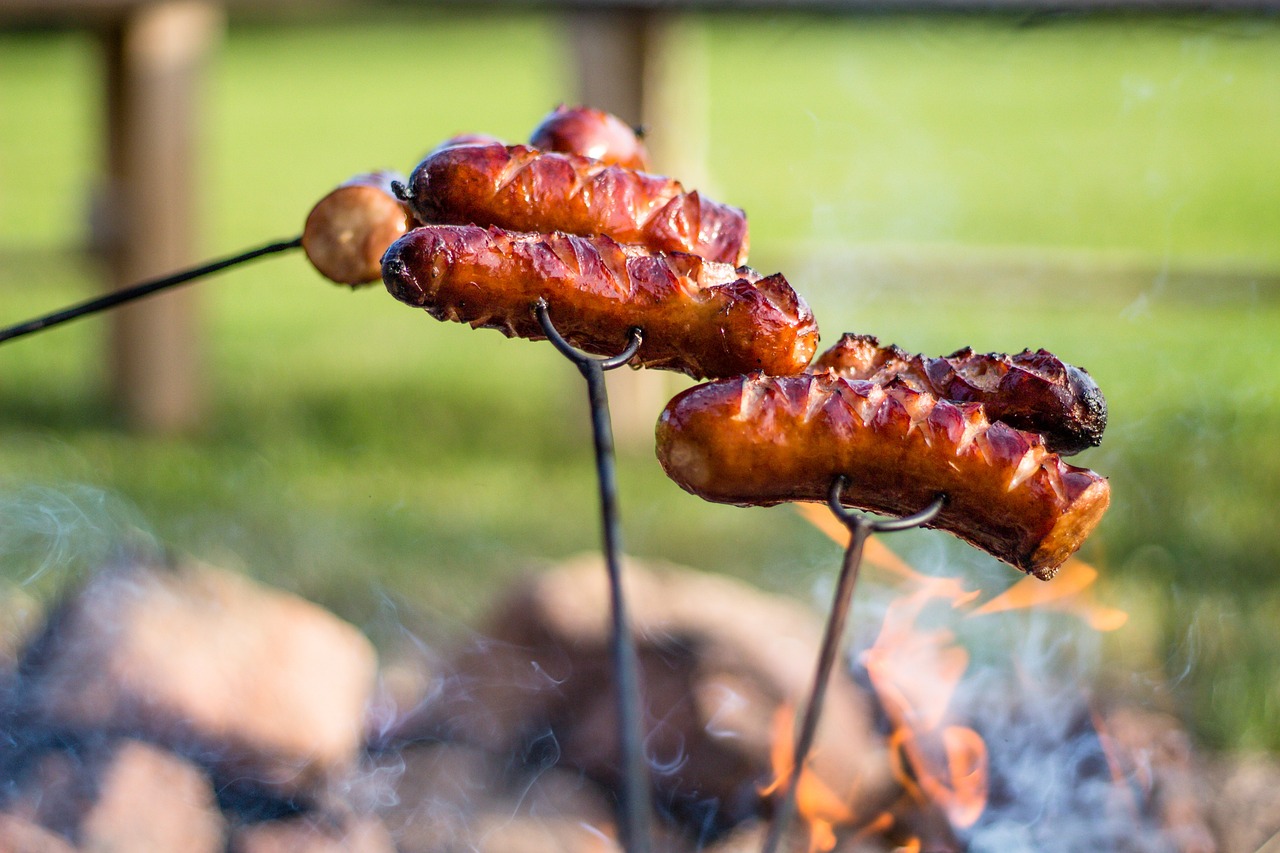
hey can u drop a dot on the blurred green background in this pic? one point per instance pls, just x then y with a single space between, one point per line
1103 186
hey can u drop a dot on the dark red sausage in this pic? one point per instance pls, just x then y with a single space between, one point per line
1034 391
349 229
762 440
698 317
592 133
522 189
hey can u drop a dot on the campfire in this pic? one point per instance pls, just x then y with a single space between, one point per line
167 706
609 704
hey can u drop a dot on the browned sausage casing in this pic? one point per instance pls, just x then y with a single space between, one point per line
759 440
1033 391
349 229
698 317
522 189
591 133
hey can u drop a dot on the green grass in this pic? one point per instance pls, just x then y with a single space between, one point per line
1120 171
1119 134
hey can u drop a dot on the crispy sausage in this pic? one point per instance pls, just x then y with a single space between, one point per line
349 229
760 440
591 133
1033 391
523 189
698 317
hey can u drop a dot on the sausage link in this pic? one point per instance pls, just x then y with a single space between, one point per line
759 440
699 317
1032 391
523 189
591 133
349 229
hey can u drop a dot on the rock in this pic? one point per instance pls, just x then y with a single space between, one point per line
749 837
121 796
719 659
18 835
408 680
1154 754
313 834
267 689
1246 810
456 799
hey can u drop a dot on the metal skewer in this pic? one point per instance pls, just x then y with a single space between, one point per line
634 828
142 289
860 528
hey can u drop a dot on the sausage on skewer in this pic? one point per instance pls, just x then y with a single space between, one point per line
592 133
522 189
349 229
1033 391
699 317
761 440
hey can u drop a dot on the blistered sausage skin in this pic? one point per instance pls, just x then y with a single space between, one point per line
698 317
349 229
592 133
523 189
1033 391
759 440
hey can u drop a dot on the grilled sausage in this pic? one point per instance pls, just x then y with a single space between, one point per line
591 133
698 317
759 440
349 229
1033 391
523 189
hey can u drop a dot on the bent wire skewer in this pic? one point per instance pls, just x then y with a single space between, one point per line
634 824
860 528
146 288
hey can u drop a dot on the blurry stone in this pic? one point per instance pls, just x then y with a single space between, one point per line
456 799
719 660
52 787
313 834
18 835
149 799
266 688
408 680
122 795
749 837
1245 803
1155 756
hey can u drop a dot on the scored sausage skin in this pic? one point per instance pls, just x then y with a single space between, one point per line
1032 391
349 229
592 133
698 317
761 440
522 189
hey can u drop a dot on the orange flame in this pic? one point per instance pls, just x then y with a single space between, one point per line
916 671
821 808
1065 593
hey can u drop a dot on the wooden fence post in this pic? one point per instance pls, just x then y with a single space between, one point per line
648 69
155 56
